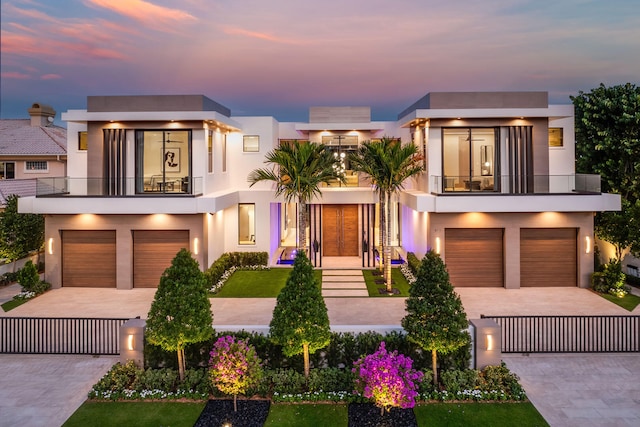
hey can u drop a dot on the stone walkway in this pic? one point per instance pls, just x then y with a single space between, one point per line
343 283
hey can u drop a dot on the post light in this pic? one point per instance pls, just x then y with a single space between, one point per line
488 342
131 342
50 246
587 244
438 245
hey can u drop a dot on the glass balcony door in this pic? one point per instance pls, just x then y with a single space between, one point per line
469 159
163 161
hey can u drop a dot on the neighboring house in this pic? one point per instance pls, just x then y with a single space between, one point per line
29 149
499 200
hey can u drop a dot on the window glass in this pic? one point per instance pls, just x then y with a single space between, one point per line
251 143
36 166
210 151
7 170
555 137
82 141
163 161
224 153
246 224
469 159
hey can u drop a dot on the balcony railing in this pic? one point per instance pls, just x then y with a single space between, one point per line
512 184
126 187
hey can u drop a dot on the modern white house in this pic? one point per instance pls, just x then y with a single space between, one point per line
499 198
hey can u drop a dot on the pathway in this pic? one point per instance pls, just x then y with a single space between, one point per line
343 283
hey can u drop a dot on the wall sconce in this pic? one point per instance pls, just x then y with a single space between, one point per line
438 245
50 246
488 342
131 342
587 245
195 245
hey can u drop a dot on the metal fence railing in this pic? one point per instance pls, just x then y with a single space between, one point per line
46 335
569 334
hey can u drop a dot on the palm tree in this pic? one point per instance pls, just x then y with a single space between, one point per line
298 169
388 164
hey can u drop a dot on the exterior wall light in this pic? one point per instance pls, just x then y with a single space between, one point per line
50 246
587 245
131 342
488 342
195 245
438 245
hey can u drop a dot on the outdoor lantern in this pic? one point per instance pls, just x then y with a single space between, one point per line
487 343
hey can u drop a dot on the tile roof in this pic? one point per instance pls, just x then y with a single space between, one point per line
18 137
19 187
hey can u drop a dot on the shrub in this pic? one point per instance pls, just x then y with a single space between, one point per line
413 262
458 380
159 379
387 378
29 279
330 379
234 367
610 280
501 378
227 260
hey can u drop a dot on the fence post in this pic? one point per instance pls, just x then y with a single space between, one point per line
487 343
132 341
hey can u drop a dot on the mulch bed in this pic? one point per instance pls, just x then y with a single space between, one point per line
394 291
251 413
368 415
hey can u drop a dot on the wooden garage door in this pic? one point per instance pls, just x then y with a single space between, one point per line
475 256
89 258
153 251
548 257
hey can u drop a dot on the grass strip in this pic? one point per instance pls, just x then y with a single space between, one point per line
307 415
139 414
10 305
479 414
257 283
629 302
399 282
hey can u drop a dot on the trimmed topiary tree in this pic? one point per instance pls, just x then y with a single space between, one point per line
180 313
300 322
435 318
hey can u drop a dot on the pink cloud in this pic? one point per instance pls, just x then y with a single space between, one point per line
257 35
143 11
15 75
50 77
27 45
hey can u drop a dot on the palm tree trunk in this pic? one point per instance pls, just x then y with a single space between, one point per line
305 353
383 231
302 225
387 248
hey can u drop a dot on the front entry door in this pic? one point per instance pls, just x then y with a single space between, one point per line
340 230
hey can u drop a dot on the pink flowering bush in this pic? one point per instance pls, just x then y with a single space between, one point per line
234 366
387 378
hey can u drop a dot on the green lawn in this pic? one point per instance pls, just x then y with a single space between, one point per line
257 283
629 302
10 305
396 275
479 414
312 415
175 414
139 414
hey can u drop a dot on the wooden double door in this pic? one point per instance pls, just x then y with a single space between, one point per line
340 230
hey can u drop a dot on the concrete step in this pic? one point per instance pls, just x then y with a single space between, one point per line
345 293
343 285
326 273
343 279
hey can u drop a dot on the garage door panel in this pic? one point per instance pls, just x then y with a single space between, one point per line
89 258
474 257
153 251
548 257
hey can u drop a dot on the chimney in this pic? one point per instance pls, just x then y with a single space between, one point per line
41 115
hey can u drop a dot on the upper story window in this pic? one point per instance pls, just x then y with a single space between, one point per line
36 166
163 161
7 170
469 159
251 143
555 137
246 224
224 153
82 141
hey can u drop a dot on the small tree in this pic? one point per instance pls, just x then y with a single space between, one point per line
19 233
29 279
180 313
300 322
388 379
435 318
234 367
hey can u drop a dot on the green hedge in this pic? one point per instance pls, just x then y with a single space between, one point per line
413 262
231 259
341 352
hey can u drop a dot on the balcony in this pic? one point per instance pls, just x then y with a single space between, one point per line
510 184
126 187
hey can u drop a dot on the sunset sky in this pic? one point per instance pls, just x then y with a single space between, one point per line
279 57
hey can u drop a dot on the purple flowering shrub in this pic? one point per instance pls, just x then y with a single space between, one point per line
234 366
387 378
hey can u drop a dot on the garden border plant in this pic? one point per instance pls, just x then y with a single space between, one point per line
222 268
